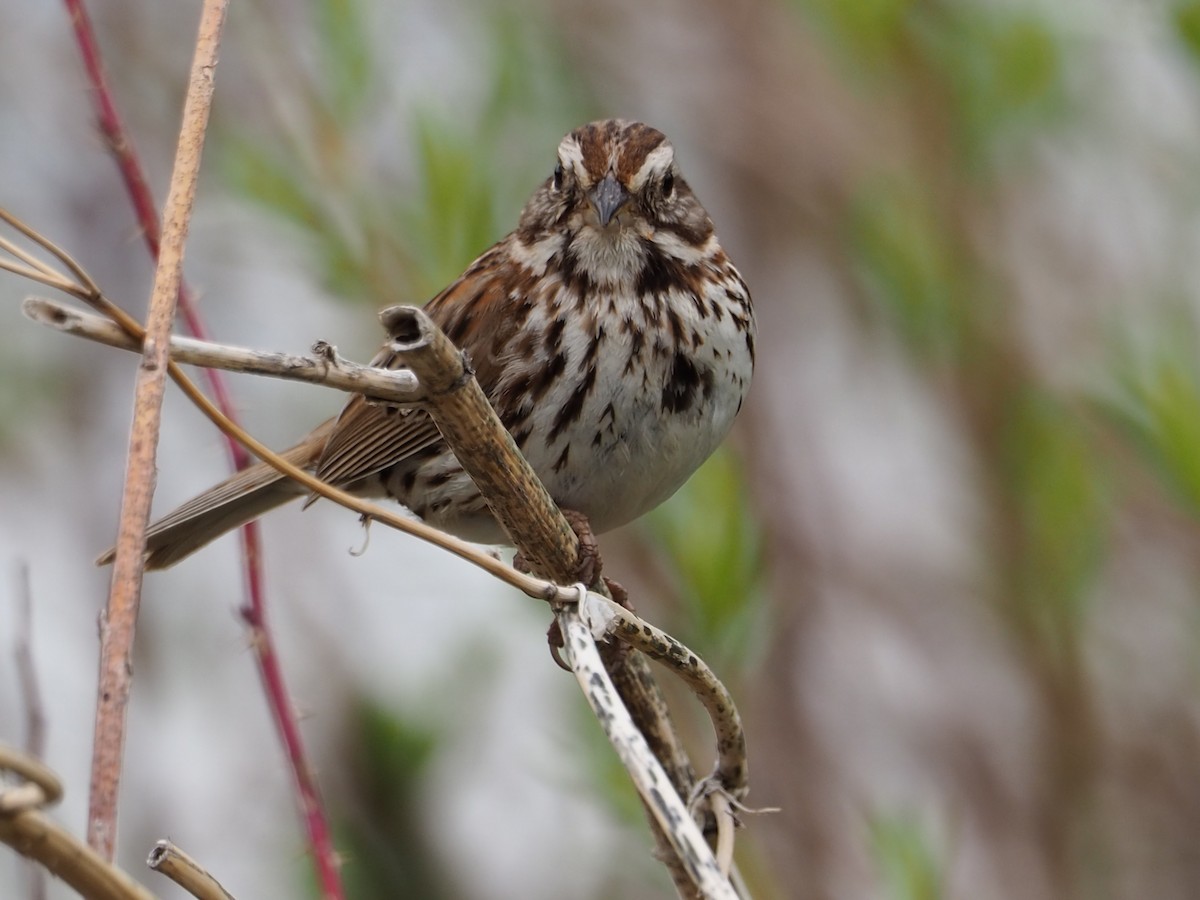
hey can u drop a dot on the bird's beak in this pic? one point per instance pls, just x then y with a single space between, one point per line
607 197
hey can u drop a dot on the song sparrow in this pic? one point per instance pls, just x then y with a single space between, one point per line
610 331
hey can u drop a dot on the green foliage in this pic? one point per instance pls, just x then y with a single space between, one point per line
382 828
909 265
385 235
1056 484
1001 68
1186 19
533 80
713 544
346 59
987 71
470 190
451 216
276 182
870 33
1158 406
30 386
908 866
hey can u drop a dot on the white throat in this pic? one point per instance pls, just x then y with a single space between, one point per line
609 255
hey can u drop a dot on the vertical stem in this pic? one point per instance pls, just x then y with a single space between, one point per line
124 153
119 621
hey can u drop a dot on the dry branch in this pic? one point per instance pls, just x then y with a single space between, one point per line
34 835
325 367
665 805
119 622
185 872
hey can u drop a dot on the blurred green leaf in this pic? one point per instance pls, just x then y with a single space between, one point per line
907 262
995 70
274 183
714 546
533 79
1055 482
346 57
30 387
270 180
907 865
382 825
1158 405
451 218
396 236
394 751
1186 19
869 32
1002 69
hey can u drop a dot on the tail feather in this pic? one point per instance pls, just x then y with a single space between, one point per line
239 499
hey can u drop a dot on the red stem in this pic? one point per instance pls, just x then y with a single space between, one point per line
254 613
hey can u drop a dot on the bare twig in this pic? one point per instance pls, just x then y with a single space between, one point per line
120 619
186 872
396 386
467 422
35 773
726 825
651 780
38 838
47 312
732 773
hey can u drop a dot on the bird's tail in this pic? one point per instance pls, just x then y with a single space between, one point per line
240 498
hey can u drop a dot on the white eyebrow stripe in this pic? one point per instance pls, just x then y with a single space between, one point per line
657 160
570 154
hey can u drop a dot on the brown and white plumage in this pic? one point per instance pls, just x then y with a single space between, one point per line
610 331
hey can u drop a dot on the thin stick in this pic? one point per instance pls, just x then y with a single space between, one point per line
397 386
732 772
469 425
38 838
169 860
84 284
665 805
120 620
120 144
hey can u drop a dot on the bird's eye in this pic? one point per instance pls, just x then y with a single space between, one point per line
668 185
558 177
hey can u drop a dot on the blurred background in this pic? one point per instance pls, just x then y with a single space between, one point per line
949 561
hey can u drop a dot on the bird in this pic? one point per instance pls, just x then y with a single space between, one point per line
609 330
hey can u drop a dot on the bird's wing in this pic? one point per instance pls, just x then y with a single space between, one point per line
368 437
